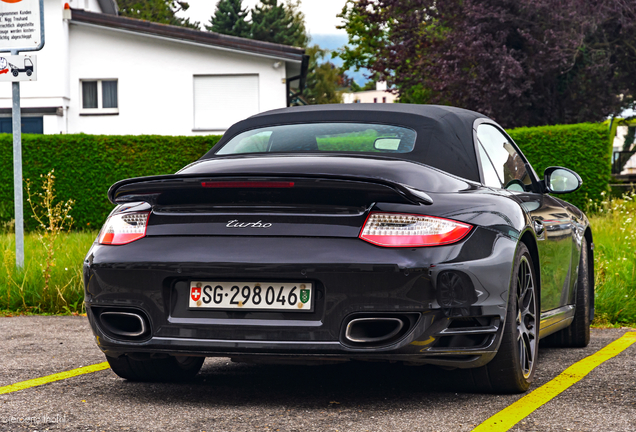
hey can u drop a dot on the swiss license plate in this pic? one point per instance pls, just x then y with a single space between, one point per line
287 296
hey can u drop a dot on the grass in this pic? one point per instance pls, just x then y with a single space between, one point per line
23 292
613 224
614 230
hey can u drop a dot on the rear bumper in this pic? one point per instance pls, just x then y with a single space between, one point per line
456 327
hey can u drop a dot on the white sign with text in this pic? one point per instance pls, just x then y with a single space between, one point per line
20 25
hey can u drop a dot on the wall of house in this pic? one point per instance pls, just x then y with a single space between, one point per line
155 80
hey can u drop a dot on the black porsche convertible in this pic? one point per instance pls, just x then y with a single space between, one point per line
335 233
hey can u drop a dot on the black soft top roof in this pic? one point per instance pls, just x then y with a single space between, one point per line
444 134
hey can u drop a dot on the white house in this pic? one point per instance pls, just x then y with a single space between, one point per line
100 73
379 95
630 167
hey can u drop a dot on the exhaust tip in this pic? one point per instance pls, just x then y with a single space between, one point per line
373 330
125 324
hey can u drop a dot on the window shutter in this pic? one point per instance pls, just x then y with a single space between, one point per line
222 100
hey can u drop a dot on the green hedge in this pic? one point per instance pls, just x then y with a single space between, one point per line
584 148
87 165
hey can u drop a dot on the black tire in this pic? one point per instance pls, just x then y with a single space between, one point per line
167 369
29 73
512 369
577 334
15 73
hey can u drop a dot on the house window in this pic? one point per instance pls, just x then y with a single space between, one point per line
222 100
375 100
99 97
384 99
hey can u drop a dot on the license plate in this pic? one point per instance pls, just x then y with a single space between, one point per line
251 296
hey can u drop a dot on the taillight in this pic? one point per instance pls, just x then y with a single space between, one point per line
405 230
124 228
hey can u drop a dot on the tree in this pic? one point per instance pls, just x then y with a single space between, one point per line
522 62
369 85
230 18
279 23
298 19
325 81
283 23
160 11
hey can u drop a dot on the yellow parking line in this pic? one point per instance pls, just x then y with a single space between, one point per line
511 415
55 377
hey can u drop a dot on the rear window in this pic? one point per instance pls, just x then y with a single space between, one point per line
322 137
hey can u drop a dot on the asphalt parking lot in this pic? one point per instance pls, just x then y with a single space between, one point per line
228 396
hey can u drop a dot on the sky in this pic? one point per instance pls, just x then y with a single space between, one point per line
320 15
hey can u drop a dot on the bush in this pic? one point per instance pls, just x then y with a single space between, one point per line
584 148
87 165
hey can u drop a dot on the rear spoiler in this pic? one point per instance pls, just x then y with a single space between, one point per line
190 189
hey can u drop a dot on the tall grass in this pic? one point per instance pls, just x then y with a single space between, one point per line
24 291
614 230
42 285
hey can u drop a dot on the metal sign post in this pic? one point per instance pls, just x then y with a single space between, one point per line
17 174
21 29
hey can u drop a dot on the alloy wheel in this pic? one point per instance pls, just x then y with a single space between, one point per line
526 317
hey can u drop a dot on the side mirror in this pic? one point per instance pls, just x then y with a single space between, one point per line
561 180
392 144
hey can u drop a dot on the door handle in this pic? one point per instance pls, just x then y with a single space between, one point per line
538 227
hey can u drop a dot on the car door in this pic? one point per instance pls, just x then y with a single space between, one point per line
504 167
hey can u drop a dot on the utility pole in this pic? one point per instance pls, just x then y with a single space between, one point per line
17 174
